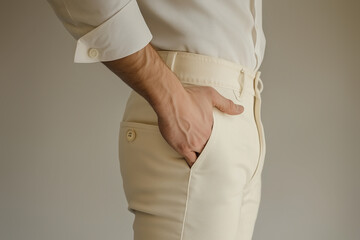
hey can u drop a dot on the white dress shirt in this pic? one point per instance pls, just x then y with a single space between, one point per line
111 29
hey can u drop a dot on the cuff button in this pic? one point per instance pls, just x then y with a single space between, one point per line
93 53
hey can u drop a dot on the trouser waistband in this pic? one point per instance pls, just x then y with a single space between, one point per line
191 68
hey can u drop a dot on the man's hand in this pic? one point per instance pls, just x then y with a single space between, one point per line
184 113
186 120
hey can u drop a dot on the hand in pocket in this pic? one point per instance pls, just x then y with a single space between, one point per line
186 120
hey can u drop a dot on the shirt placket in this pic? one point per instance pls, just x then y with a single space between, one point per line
257 25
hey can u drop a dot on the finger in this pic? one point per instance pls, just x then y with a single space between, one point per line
225 105
190 158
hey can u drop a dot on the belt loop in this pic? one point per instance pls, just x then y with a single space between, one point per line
170 59
241 80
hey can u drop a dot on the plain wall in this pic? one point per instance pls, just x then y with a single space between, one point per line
59 169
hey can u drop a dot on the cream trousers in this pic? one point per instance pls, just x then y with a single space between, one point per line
218 197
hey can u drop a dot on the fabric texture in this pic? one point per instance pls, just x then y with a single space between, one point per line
218 197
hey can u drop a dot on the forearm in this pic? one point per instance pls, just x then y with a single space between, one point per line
146 73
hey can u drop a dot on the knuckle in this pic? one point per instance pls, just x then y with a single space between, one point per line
183 147
221 107
231 104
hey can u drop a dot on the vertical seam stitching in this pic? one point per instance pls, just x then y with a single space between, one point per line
186 205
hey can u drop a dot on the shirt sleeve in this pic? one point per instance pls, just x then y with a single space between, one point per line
104 29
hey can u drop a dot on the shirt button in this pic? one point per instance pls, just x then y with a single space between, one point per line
130 135
93 53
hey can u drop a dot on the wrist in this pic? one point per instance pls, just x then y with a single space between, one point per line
146 73
167 94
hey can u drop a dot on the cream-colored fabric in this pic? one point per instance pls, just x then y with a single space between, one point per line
218 197
229 29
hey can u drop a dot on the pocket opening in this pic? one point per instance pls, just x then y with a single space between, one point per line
208 145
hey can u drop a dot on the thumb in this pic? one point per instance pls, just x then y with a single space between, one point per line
226 105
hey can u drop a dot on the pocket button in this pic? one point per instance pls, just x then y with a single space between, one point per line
130 135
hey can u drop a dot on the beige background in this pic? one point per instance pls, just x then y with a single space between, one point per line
59 170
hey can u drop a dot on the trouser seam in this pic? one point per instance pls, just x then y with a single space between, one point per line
186 206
